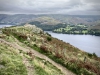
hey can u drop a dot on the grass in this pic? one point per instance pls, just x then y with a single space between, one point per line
71 66
11 61
44 68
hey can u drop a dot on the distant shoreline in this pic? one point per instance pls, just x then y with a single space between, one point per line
1 26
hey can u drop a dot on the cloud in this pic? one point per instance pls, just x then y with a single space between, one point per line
82 7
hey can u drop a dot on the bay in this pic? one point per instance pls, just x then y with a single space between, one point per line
86 43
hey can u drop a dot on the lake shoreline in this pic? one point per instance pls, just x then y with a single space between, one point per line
1 26
74 34
87 43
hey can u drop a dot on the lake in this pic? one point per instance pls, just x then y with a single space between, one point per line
86 43
5 26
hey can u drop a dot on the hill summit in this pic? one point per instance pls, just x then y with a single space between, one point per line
44 20
33 28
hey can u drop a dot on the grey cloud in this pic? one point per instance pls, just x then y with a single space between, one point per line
94 4
50 6
92 1
95 8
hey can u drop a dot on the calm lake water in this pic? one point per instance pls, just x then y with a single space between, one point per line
4 26
87 43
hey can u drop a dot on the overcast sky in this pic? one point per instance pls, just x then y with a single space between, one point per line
71 7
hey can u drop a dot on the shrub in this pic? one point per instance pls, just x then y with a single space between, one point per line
90 55
48 34
35 45
94 55
43 48
49 38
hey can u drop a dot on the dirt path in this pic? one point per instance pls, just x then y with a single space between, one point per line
37 54
29 67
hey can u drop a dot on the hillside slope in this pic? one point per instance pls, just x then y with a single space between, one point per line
47 20
31 62
96 27
14 60
32 38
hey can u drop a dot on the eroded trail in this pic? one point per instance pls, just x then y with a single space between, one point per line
37 54
29 67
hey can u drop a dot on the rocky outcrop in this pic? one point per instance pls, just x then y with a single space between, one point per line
33 28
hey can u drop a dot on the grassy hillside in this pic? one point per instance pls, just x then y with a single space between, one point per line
47 23
73 29
47 20
72 58
15 61
12 62
96 27
79 29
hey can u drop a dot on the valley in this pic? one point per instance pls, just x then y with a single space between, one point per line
67 24
49 37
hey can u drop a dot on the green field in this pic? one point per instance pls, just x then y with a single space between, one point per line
77 29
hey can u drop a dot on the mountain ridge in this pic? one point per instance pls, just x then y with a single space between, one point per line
71 19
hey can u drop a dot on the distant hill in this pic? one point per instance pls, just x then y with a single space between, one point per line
77 19
50 19
96 27
46 23
15 19
44 20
